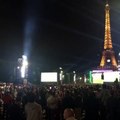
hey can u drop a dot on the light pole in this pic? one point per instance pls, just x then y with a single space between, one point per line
61 75
74 76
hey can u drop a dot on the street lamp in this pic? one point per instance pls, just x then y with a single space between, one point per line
61 75
74 76
60 68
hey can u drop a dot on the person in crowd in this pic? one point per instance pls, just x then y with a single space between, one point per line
68 101
105 94
7 100
33 110
53 110
78 106
69 114
91 107
113 106
15 111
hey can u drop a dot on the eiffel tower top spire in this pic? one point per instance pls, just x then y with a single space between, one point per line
106 1
107 39
107 4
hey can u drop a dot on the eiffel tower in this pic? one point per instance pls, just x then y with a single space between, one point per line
108 60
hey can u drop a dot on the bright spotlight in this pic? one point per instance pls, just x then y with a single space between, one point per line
24 66
108 60
23 72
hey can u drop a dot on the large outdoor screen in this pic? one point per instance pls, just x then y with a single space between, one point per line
49 77
109 76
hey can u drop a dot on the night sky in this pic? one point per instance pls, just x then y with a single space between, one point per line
54 33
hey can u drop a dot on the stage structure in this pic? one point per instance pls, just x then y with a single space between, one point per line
22 70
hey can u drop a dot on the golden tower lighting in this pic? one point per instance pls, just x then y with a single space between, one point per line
108 60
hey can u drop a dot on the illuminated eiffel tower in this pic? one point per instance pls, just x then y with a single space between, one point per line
108 60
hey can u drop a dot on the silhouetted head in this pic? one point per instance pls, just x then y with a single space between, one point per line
30 97
68 113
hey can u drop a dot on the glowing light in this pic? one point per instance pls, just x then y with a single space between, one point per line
107 5
100 71
109 76
18 67
73 71
90 76
74 78
49 77
28 35
22 71
60 68
119 54
61 75
24 66
108 41
108 60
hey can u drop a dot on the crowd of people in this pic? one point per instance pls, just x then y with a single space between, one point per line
65 102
